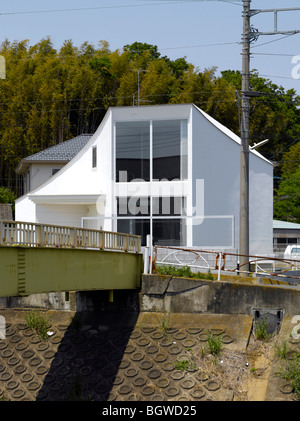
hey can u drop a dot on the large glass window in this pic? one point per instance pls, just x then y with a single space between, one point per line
167 206
152 151
168 232
133 151
127 209
136 216
133 206
135 227
169 149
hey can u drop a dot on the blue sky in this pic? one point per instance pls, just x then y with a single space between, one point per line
207 33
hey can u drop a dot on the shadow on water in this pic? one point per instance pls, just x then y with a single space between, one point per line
86 362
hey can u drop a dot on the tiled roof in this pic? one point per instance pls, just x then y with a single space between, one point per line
285 225
63 152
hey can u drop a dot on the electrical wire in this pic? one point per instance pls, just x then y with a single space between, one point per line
274 40
89 8
76 9
274 54
97 108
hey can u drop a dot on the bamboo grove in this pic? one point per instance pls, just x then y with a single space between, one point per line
50 95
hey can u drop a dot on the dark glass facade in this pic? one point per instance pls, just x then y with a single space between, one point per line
152 151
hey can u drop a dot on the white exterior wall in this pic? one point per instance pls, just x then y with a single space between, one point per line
216 159
39 173
76 186
25 210
66 215
260 206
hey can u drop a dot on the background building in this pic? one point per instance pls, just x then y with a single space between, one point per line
285 234
35 169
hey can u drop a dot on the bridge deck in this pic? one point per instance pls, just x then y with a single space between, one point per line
38 258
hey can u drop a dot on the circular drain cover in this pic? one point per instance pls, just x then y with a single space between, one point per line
270 320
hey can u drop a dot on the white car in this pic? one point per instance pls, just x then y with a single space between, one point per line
292 252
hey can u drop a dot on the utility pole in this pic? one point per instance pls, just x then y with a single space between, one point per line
244 159
138 100
249 35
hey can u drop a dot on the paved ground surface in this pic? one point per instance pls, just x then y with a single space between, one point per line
117 356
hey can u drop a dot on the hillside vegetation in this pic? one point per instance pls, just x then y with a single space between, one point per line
52 95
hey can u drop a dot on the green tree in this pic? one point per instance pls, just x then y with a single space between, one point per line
291 159
287 199
273 115
139 48
50 95
7 195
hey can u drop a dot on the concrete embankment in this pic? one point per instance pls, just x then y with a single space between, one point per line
150 344
228 296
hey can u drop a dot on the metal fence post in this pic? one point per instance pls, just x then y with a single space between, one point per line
219 267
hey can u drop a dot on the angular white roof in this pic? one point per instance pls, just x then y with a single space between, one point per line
229 133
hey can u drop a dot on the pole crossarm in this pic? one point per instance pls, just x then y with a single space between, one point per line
296 31
275 11
284 9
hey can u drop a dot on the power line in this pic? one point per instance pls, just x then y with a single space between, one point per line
278 77
76 9
89 8
282 150
235 2
275 40
274 54
94 108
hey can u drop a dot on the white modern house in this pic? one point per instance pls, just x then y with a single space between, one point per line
170 171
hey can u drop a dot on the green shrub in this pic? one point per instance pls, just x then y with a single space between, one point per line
261 329
282 351
291 373
38 323
182 272
214 343
185 365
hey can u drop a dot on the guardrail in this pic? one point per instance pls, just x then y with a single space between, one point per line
44 235
222 262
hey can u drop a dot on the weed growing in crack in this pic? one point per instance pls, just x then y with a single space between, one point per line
38 323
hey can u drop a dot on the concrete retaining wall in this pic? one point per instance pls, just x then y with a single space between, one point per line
167 294
52 301
181 295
